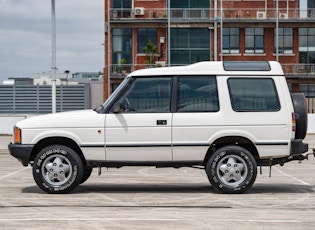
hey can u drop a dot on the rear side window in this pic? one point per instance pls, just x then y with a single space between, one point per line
197 94
253 95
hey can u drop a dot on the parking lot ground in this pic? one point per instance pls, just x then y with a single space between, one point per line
163 198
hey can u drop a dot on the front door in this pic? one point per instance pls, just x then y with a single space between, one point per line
141 131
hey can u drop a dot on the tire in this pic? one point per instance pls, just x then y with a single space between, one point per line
87 173
231 169
300 108
57 169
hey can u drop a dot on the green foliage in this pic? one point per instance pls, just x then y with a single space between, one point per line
150 50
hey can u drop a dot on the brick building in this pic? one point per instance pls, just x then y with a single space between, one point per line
250 29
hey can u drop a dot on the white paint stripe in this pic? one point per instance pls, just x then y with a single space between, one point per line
143 219
11 174
85 219
294 178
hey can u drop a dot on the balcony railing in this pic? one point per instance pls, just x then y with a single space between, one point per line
209 14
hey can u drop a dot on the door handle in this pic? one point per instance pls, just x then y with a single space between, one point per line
161 122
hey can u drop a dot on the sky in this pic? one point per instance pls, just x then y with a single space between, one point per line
26 40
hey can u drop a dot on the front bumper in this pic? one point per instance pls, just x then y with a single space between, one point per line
21 152
298 147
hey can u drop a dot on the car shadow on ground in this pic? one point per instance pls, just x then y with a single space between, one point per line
159 188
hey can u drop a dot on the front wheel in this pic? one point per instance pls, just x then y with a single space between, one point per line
57 169
231 169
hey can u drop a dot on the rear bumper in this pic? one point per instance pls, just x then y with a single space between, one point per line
298 147
21 152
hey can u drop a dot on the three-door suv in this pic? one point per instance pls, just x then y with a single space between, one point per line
225 117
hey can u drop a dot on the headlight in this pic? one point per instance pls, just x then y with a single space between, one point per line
17 135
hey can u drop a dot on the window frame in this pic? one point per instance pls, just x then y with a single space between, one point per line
232 99
230 35
126 92
255 35
178 90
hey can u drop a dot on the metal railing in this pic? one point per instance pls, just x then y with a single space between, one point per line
209 14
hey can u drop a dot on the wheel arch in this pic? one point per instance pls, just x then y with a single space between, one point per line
232 140
60 141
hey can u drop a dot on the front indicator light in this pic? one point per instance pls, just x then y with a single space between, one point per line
17 135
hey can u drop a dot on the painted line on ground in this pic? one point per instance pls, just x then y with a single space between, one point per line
13 173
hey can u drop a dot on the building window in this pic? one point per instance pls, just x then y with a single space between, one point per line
189 45
122 4
285 40
122 45
190 4
190 9
122 8
307 89
306 9
145 35
306 45
231 40
254 40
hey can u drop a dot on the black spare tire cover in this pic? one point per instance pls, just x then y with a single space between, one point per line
300 110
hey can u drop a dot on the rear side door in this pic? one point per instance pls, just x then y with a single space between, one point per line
141 130
196 118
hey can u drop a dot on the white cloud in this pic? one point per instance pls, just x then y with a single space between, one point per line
25 36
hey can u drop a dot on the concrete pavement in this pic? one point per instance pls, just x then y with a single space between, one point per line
164 198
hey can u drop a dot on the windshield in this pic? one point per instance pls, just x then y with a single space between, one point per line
112 97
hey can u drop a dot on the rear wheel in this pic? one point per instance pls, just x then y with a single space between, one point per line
231 169
57 169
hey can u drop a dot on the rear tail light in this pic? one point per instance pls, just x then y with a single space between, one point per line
293 122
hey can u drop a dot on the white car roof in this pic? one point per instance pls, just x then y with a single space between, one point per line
216 68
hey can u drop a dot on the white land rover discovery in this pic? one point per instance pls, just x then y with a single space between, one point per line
225 117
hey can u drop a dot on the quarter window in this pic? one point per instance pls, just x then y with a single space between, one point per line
253 95
197 94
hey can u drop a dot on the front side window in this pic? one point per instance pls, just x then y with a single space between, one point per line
254 40
148 95
197 94
253 95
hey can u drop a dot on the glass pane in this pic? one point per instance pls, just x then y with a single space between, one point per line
199 55
179 38
148 95
199 3
253 94
180 57
198 94
199 38
145 35
180 4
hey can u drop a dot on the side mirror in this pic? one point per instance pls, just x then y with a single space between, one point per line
117 107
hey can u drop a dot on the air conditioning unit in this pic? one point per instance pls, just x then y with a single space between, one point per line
283 16
261 15
138 11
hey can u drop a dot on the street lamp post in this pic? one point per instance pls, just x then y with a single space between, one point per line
53 67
